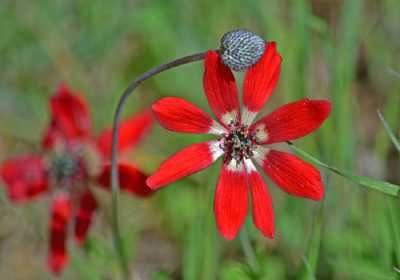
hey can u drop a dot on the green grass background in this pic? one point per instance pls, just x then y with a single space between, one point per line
345 51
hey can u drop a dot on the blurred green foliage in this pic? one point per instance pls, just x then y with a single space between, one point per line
340 50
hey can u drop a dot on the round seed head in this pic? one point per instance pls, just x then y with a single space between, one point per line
241 49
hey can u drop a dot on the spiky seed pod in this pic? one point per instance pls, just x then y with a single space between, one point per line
241 49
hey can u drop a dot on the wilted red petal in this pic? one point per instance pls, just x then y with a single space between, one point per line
260 80
179 115
190 160
131 179
83 219
131 131
70 114
220 88
24 177
263 213
60 217
293 175
292 121
231 201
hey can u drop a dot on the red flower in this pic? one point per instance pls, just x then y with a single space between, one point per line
73 161
242 142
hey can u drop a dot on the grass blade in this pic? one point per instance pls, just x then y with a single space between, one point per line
311 260
395 141
382 186
394 73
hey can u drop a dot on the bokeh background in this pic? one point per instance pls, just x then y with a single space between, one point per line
345 51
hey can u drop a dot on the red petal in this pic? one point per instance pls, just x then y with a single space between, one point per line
261 79
292 121
87 207
51 136
185 162
70 114
220 88
179 115
131 131
24 177
231 201
131 179
263 213
293 175
60 217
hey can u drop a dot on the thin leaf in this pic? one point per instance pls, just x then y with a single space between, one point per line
393 208
395 141
382 186
311 260
394 73
248 251
309 269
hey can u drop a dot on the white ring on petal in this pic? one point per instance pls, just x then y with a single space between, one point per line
261 132
215 149
250 167
235 166
259 154
227 118
248 116
217 129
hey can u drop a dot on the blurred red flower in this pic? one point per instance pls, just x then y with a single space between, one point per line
72 161
242 142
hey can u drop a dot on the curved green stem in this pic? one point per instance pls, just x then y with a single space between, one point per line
114 157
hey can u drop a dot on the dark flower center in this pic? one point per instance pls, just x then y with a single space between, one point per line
64 167
238 143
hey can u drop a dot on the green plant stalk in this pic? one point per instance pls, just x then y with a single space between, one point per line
249 251
392 204
211 246
311 260
392 207
343 71
382 186
114 148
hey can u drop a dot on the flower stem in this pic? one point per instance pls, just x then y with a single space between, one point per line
248 251
114 148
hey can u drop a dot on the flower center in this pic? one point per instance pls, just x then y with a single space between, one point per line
64 167
238 143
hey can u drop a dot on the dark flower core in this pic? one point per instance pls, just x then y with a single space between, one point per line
64 167
238 143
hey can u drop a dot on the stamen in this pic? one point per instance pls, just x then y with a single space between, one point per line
63 167
238 143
